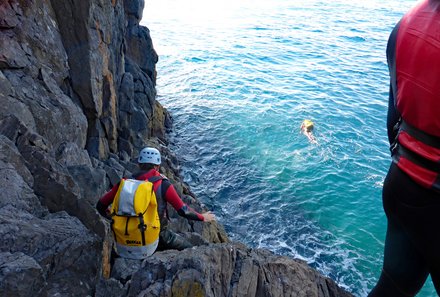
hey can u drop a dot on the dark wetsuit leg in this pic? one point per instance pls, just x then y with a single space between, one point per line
412 244
403 272
169 240
435 275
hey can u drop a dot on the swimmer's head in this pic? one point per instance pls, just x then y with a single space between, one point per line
307 125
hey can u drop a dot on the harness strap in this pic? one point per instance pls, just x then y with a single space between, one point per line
416 159
428 139
142 227
126 226
161 191
401 151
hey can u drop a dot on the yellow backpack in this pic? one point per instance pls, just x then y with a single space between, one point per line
135 220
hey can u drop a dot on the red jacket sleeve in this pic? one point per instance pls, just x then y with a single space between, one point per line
108 197
106 200
182 209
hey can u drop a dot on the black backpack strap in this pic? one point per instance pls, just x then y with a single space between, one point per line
155 178
163 188
165 185
142 227
161 191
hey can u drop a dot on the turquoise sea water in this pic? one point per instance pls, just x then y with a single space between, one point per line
239 77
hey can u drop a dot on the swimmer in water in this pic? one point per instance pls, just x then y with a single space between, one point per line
307 129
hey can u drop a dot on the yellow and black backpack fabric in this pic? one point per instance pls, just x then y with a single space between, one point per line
135 220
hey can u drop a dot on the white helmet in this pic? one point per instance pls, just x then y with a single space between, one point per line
149 155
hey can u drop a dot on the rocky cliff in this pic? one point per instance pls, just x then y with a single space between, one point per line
77 95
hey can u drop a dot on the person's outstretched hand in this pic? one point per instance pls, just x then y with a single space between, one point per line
208 216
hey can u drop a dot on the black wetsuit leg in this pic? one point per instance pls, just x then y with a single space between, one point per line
435 275
169 240
412 244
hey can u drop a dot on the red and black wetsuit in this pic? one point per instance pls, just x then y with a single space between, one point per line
411 191
165 193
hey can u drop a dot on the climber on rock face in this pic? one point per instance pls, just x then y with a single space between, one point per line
149 163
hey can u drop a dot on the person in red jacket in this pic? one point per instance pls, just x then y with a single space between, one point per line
149 163
411 190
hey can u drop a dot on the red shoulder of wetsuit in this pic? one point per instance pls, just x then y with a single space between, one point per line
417 68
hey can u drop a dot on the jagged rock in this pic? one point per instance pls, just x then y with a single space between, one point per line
129 166
68 253
8 15
134 9
93 38
20 275
12 160
70 154
138 102
13 110
123 269
126 109
228 270
12 56
92 181
52 182
53 116
138 44
161 122
16 181
111 288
